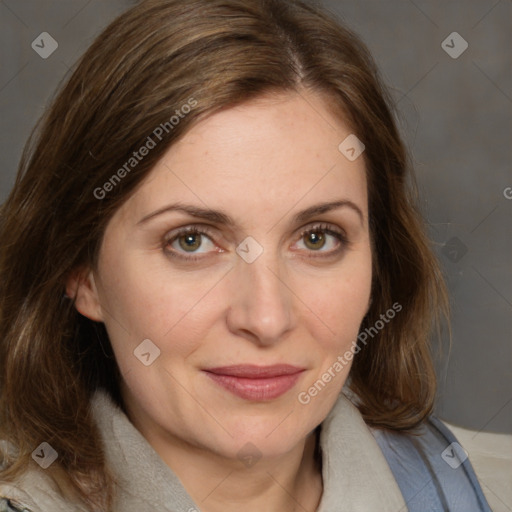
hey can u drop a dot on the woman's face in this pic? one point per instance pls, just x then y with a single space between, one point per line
245 248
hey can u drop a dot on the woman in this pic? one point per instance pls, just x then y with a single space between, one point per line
212 235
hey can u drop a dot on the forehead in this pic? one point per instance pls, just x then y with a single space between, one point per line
268 154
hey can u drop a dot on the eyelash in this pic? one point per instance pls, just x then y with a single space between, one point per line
204 230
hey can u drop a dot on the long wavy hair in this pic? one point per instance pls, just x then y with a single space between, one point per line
149 62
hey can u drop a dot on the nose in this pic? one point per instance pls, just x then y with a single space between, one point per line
262 302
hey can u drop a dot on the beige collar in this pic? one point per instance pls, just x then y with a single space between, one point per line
355 473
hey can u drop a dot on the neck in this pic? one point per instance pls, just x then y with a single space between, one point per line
288 483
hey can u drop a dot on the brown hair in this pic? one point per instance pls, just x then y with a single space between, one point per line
149 62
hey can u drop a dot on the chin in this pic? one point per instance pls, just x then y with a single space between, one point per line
267 435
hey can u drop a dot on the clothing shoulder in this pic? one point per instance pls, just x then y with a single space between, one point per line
33 491
7 505
14 499
432 469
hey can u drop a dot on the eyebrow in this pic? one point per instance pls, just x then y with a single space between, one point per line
219 217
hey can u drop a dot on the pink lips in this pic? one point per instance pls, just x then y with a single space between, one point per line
256 382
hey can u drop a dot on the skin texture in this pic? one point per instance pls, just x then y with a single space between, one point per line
300 302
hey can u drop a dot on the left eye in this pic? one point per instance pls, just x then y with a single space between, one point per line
322 239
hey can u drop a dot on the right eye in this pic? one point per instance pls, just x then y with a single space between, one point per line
189 240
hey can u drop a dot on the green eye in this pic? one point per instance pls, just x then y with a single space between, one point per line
314 240
190 242
323 236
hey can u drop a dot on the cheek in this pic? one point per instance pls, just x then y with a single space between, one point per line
341 304
142 301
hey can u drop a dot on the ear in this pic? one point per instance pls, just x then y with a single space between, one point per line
81 287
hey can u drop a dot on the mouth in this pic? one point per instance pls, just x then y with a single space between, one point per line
256 383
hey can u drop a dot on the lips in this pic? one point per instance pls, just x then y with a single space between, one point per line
256 383
256 372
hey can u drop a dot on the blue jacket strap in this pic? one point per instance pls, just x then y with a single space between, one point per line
432 469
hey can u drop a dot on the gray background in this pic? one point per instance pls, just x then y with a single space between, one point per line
455 115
